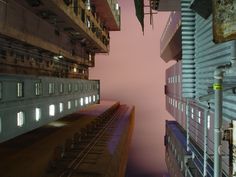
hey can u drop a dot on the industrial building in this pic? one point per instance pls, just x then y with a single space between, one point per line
200 86
52 122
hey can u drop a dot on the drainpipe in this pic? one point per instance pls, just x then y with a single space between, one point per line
206 114
217 86
187 127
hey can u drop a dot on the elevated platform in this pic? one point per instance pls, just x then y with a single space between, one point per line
33 154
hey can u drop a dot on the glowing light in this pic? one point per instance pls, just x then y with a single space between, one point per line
60 107
52 110
86 100
20 119
37 114
81 101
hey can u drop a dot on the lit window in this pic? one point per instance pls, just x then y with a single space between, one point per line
0 90
20 119
37 88
199 117
60 107
117 6
69 104
52 110
75 70
61 88
51 88
19 89
192 111
90 57
37 114
94 98
81 101
208 122
86 100
90 99
69 87
182 107
76 103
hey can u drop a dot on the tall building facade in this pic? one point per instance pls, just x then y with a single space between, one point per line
200 93
46 49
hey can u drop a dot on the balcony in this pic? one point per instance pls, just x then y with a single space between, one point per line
76 19
170 43
109 12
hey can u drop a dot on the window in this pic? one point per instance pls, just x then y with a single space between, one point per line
20 119
76 87
90 99
60 107
61 88
51 88
117 6
199 117
192 111
86 100
76 103
38 89
97 96
20 89
94 98
69 104
52 110
1 91
69 87
81 101
208 122
37 114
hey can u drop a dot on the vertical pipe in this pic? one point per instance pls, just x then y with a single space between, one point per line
217 123
187 119
206 113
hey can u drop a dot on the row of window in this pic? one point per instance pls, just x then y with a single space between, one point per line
177 104
20 116
174 79
51 88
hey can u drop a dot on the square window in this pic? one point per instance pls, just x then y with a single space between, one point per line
20 89
20 119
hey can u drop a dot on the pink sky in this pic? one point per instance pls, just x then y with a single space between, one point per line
134 73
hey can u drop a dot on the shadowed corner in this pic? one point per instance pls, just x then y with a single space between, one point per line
133 170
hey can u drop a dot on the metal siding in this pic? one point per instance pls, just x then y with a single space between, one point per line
188 66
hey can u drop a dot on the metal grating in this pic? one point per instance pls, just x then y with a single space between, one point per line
188 65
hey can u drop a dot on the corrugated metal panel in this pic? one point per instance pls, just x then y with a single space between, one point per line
188 66
208 56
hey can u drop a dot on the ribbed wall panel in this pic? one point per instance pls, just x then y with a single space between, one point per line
208 56
188 66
